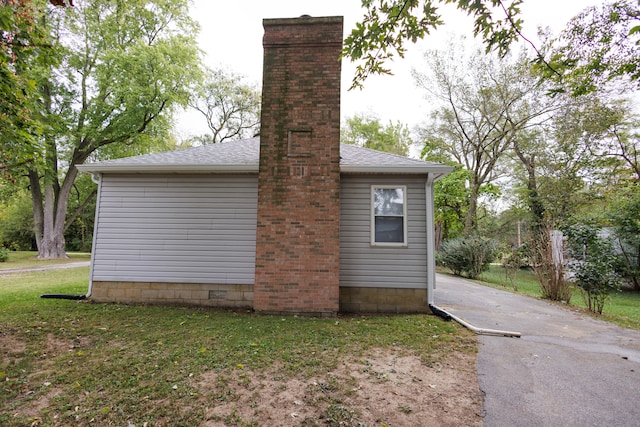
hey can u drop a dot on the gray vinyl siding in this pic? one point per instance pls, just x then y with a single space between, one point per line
176 228
363 265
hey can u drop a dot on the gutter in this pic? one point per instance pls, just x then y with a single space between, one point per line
438 170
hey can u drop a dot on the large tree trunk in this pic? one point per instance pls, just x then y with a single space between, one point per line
470 223
48 227
634 278
52 242
52 210
533 198
438 235
36 204
47 199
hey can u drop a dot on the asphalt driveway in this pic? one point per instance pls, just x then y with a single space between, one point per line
45 267
567 369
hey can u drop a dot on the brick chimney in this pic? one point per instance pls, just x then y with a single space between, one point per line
297 240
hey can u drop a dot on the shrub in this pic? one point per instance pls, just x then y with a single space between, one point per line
625 218
4 254
513 260
548 268
596 280
593 265
469 255
16 222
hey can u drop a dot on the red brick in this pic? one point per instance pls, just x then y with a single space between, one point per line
297 241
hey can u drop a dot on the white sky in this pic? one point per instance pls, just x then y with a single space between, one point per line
231 37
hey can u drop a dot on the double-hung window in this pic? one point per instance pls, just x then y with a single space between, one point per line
388 215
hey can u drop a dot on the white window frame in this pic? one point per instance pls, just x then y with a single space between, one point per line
405 241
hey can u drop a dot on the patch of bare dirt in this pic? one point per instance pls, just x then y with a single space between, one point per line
384 389
32 411
55 345
10 347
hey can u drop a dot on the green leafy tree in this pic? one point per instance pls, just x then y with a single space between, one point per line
581 157
616 150
625 217
78 232
22 43
550 160
230 106
16 222
451 201
120 69
367 131
600 45
483 104
388 25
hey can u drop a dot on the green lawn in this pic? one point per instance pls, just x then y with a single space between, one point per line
68 362
623 308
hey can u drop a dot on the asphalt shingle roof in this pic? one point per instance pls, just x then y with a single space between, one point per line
243 157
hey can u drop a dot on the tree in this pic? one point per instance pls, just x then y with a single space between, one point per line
549 157
119 69
230 107
625 216
16 222
485 103
368 132
387 25
617 145
451 197
22 41
78 234
580 157
600 45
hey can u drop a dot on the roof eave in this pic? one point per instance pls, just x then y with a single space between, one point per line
439 170
155 168
418 169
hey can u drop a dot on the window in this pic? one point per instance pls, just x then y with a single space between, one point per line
388 215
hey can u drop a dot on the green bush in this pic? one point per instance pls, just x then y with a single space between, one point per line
593 265
4 254
16 222
625 218
468 255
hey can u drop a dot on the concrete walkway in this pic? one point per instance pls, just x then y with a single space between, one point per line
568 369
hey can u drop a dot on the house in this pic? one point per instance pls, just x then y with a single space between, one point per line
288 222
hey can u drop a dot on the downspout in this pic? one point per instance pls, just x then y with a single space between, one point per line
480 331
431 239
97 178
431 269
